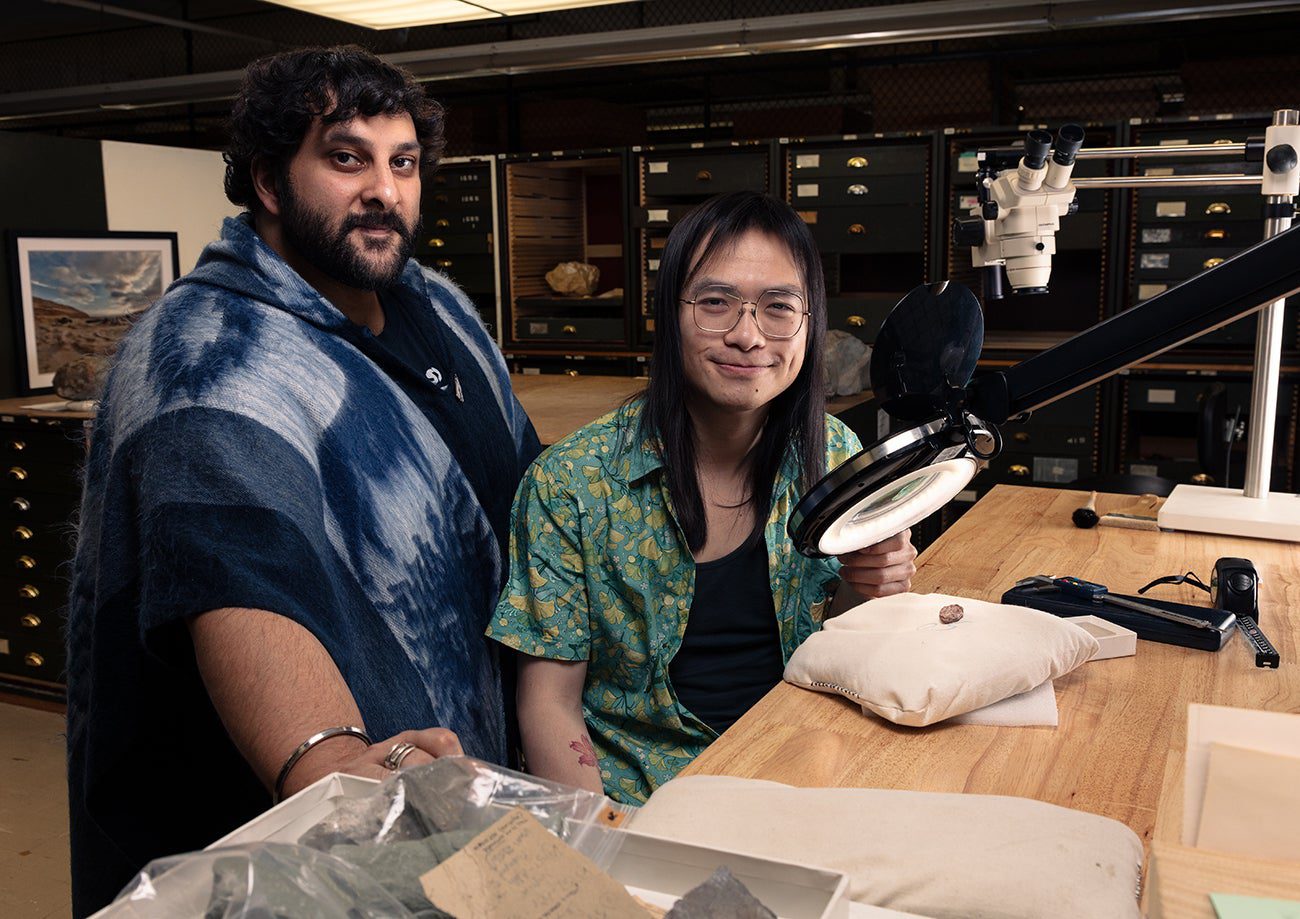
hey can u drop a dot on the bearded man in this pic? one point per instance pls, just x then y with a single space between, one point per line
298 492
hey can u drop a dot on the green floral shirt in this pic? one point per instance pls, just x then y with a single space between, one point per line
600 572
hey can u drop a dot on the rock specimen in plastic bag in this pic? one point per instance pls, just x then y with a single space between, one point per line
397 866
720 897
951 613
573 279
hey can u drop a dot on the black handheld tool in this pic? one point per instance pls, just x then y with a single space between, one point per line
1234 587
1098 593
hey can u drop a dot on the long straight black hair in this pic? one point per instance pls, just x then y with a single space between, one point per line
796 419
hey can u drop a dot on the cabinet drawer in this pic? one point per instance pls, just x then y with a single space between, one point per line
674 175
577 328
455 244
1048 439
1176 264
476 200
452 223
858 191
875 229
472 272
1232 237
861 317
33 657
1214 208
20 476
659 217
39 623
1038 469
463 176
816 162
1081 231
36 509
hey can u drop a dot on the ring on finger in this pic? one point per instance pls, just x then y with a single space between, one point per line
400 751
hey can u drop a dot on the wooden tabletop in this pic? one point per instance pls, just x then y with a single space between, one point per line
559 404
1123 722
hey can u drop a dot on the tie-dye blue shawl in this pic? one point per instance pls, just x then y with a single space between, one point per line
247 453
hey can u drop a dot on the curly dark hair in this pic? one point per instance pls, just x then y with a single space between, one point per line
282 94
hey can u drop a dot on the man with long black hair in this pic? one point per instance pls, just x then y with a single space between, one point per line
298 492
652 584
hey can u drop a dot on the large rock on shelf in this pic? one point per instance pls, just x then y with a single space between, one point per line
81 379
573 279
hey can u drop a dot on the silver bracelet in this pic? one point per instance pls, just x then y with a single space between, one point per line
345 730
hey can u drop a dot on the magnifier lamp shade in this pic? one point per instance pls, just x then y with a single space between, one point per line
885 489
928 345
924 356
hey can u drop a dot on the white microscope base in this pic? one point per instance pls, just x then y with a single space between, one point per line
1228 512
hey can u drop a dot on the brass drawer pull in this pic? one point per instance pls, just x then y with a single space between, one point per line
18 473
441 199
1216 234
857 189
1202 478
858 162
1018 469
1021 437
442 222
570 373
1218 207
21 505
437 243
1211 262
443 262
570 330
32 659
22 534
704 176
25 563
856 321
30 621
28 592
17 446
857 229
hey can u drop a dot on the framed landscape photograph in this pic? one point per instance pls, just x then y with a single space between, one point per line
75 295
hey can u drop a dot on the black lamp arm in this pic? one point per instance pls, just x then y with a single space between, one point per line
1239 286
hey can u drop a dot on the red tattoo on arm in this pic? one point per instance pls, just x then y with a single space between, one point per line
586 752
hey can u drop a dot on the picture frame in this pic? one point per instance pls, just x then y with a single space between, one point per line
76 294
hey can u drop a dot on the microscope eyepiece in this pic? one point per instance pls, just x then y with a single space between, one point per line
1037 145
1068 141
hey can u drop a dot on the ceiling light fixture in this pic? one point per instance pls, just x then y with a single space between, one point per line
405 14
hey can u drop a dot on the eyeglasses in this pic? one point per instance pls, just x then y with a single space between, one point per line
778 313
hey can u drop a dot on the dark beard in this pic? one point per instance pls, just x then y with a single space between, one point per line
333 253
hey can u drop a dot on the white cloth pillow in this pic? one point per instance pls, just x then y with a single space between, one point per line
895 658
939 855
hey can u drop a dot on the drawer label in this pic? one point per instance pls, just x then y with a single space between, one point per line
4 646
1055 469
1161 397
882 424
1143 469
1157 235
657 215
1159 171
1147 291
807 161
968 202
969 496
1171 208
1154 260
806 190
657 168
538 328
652 264
968 162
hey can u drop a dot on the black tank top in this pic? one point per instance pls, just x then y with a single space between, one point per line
731 653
